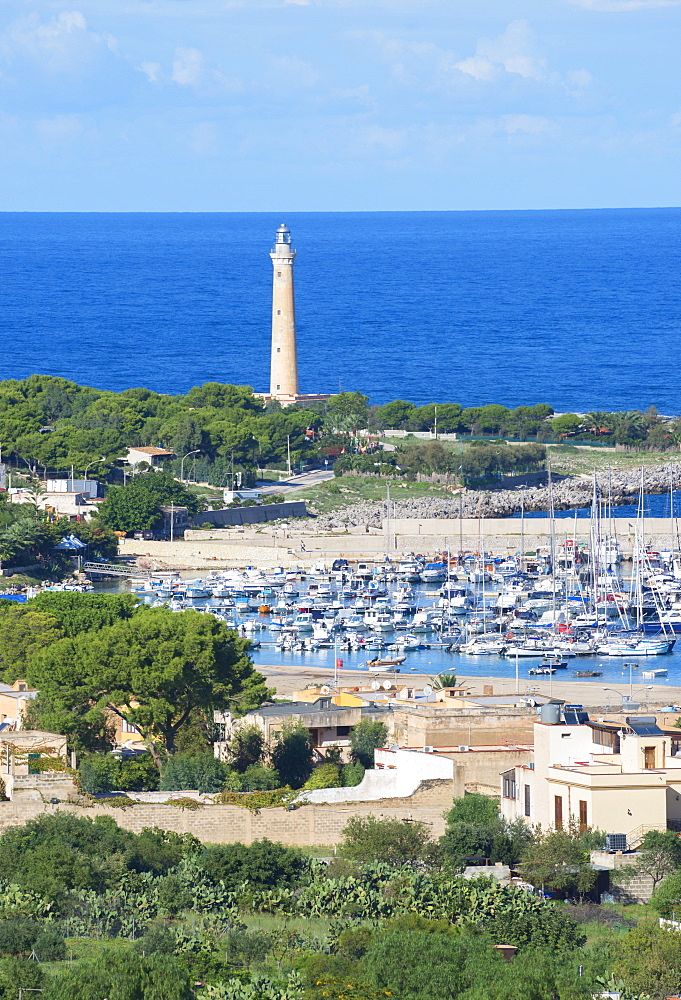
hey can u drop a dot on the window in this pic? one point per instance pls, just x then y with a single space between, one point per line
582 815
509 785
527 800
278 312
279 274
128 727
33 768
342 731
558 812
278 387
649 758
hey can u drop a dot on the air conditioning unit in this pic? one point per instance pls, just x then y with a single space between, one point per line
464 747
427 749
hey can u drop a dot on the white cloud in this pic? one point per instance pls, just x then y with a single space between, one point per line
152 71
512 52
59 45
188 67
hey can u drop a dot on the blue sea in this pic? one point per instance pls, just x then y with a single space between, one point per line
579 309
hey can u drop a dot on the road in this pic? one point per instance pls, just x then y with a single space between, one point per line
301 482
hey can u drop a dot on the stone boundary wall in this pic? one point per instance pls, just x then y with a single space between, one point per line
308 826
251 515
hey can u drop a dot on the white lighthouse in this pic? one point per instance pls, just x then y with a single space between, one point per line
284 361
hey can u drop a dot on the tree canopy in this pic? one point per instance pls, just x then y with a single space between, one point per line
150 670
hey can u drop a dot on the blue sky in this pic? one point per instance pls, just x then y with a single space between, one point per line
323 105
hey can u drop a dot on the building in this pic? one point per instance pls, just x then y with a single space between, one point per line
88 486
329 725
153 457
619 777
284 358
77 506
14 700
33 765
284 350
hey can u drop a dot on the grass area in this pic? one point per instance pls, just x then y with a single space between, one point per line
346 490
568 460
205 492
271 922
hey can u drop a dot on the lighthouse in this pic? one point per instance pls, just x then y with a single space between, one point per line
284 361
284 356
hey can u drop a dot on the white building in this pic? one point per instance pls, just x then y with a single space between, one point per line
617 777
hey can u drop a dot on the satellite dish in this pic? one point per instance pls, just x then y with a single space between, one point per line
387 685
427 689
325 690
375 685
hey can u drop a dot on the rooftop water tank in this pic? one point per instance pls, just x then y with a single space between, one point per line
550 714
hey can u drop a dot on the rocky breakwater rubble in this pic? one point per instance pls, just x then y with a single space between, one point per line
618 486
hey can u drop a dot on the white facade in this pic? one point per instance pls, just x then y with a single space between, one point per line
576 780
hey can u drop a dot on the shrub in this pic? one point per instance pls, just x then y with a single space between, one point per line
392 840
324 776
247 947
263 864
257 778
202 772
352 774
50 946
106 773
17 935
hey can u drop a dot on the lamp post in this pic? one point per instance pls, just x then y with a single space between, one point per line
195 452
628 697
95 462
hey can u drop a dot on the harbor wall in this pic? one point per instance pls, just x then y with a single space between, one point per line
281 546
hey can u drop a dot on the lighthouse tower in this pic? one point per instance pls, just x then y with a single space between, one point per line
284 363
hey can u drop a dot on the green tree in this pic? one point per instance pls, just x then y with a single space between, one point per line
393 840
23 632
151 671
347 411
76 613
479 810
246 748
660 855
123 974
137 506
202 772
291 754
262 865
395 414
366 737
566 424
427 966
559 861
649 961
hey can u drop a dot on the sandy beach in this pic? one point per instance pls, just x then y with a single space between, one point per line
591 694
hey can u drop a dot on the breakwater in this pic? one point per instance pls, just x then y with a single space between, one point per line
619 486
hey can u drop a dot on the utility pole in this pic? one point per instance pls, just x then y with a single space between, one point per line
288 452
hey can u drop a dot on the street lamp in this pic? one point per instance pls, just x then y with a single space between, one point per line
628 697
195 452
96 460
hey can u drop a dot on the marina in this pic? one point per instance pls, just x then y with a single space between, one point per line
473 615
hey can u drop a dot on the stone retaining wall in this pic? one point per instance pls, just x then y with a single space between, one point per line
308 826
